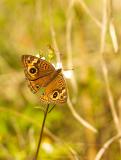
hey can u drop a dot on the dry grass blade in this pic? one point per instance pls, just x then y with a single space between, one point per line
80 119
88 12
113 37
69 44
104 68
106 146
112 30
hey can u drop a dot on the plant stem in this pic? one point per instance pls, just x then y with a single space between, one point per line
41 133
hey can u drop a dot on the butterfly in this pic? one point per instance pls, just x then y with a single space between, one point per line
43 78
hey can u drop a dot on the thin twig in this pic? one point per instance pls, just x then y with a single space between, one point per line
74 113
119 110
110 96
105 21
69 44
89 13
80 119
105 147
73 153
112 30
104 28
53 35
113 36
68 33
41 133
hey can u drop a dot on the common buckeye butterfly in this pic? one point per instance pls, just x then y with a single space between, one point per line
41 74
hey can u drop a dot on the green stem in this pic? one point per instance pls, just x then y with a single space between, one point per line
41 133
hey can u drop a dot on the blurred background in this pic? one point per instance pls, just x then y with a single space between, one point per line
86 36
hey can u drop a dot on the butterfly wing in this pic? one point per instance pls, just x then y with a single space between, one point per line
55 92
35 67
41 74
39 83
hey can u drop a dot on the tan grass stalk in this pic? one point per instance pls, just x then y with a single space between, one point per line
79 118
112 30
89 13
74 113
104 67
69 44
106 146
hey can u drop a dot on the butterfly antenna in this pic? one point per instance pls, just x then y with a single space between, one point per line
41 133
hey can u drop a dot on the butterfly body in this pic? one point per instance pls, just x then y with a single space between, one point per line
42 74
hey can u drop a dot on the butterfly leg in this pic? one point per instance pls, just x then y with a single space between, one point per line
52 108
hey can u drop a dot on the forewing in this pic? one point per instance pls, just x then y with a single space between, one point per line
43 67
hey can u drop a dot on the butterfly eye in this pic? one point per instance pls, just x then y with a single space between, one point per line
55 94
32 70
